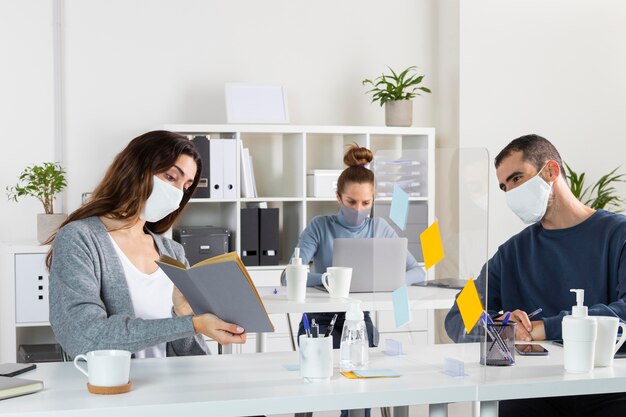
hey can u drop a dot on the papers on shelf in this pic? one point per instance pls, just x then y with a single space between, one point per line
248 183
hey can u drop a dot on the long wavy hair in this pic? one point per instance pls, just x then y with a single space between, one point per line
127 183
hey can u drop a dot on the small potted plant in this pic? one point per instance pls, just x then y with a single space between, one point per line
43 182
396 91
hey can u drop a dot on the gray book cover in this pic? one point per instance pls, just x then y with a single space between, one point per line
222 289
13 387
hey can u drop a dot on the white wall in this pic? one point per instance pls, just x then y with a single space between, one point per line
26 106
131 66
555 68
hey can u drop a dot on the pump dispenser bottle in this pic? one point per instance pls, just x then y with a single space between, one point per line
579 337
296 277
353 350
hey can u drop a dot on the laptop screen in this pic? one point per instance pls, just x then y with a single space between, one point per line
378 264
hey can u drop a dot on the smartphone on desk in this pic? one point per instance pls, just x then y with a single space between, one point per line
13 369
524 349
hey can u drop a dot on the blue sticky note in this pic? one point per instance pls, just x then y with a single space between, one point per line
399 207
292 367
401 307
376 373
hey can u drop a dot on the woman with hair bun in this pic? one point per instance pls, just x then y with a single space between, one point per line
106 291
355 196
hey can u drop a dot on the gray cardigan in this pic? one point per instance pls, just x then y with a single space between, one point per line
90 304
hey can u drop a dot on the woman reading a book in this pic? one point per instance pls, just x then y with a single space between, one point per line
106 291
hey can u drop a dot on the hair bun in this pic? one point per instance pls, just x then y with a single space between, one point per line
357 155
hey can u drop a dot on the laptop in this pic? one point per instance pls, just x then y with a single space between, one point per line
378 264
455 283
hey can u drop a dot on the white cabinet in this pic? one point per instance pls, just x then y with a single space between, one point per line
23 298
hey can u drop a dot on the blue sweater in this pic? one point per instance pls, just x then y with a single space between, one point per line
316 244
537 268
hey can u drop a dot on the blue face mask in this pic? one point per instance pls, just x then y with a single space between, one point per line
353 217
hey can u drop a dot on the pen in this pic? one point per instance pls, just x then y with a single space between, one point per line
331 326
534 313
315 329
305 323
506 318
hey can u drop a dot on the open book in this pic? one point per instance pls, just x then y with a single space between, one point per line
220 285
13 387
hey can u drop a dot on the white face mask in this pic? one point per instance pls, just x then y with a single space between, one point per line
163 200
353 217
530 200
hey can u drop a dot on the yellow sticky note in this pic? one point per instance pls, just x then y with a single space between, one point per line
432 248
470 305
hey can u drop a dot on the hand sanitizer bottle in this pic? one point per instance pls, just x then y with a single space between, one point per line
353 350
296 277
579 337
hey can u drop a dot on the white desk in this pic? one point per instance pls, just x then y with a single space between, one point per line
239 385
318 301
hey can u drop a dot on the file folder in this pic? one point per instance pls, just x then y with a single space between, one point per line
230 169
202 145
250 236
216 169
268 236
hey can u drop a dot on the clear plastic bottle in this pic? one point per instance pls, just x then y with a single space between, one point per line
353 350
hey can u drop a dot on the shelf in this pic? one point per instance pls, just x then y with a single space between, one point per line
210 200
388 199
270 199
340 130
321 199
33 324
266 268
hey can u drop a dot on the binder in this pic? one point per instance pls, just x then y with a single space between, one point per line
202 145
230 169
216 169
250 236
268 236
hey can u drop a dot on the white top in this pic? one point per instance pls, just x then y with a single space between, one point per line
151 295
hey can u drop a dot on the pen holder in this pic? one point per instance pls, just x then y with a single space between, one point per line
316 358
498 348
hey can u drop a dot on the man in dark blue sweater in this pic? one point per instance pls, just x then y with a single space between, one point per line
568 245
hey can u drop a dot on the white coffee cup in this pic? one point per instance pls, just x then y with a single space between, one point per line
605 340
106 368
296 277
316 358
337 280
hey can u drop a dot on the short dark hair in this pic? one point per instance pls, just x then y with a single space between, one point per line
535 149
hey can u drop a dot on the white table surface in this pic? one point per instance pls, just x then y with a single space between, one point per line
238 385
318 301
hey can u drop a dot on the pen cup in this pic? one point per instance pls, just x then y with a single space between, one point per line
316 358
498 348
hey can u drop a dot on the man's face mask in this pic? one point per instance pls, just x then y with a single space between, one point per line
163 200
353 217
529 201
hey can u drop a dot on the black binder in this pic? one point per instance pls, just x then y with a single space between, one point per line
203 146
250 236
268 236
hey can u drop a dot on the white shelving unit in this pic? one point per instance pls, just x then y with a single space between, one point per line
282 155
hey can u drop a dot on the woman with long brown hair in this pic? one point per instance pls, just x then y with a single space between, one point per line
106 291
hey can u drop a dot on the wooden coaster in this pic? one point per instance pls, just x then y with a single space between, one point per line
121 389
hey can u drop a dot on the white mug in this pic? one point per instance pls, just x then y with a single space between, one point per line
106 368
296 277
316 358
605 340
337 280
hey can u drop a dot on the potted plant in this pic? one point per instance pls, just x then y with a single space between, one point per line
43 182
396 91
602 194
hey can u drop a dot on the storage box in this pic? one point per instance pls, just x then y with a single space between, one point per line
202 242
322 182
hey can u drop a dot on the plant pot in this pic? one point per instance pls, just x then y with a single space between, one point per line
399 113
47 224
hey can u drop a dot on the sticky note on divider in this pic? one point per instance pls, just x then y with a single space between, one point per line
432 248
399 210
401 307
470 305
